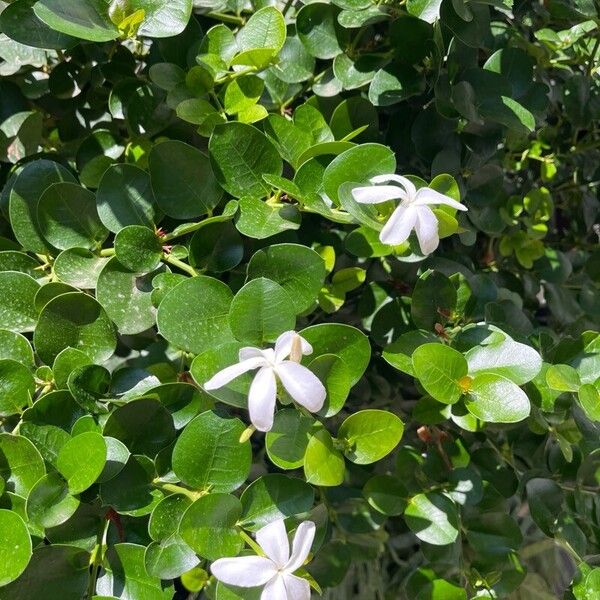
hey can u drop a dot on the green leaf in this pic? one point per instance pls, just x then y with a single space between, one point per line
433 518
562 378
169 558
17 301
209 454
124 197
493 535
85 19
395 83
399 353
138 249
79 267
81 461
433 300
496 399
242 93
386 494
323 462
29 186
545 499
53 571
131 491
240 154
258 219
126 297
15 346
319 30
369 435
208 526
194 315
125 576
182 180
20 464
346 342
17 387
273 497
337 379
20 23
264 29
515 361
49 502
261 311
145 426
162 20
295 63
299 270
357 164
440 368
15 546
589 398
287 440
75 320
67 217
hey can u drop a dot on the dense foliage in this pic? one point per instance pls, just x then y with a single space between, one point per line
181 180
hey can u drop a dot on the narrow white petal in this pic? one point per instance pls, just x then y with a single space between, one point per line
428 196
406 183
427 229
261 399
273 539
249 352
302 385
303 539
230 373
283 345
244 571
296 587
275 589
374 194
399 225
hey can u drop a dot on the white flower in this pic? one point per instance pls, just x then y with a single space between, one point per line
413 211
300 383
275 569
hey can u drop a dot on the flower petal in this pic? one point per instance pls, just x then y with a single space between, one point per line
261 399
230 373
374 194
275 589
428 196
303 539
427 229
244 571
283 345
302 385
296 587
399 225
406 183
273 539
249 352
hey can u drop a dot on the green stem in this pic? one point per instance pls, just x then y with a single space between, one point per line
235 75
171 260
590 65
97 558
251 543
219 16
181 231
177 489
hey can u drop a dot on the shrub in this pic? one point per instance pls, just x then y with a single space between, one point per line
325 270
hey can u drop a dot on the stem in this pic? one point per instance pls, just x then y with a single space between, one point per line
590 66
177 489
235 75
181 231
96 559
251 543
180 265
219 16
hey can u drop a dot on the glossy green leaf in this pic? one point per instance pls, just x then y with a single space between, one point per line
323 463
433 518
496 399
209 454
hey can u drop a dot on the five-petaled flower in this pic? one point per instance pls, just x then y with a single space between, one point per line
276 569
279 363
413 212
